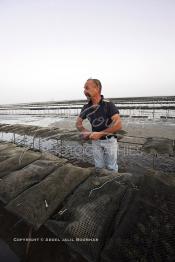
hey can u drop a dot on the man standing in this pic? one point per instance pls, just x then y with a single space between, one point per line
105 121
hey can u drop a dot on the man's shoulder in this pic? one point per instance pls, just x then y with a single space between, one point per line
86 105
111 106
106 100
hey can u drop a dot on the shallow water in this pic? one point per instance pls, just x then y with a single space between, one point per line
29 120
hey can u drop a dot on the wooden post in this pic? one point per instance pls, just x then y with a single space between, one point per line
33 142
154 160
24 139
39 143
61 147
57 147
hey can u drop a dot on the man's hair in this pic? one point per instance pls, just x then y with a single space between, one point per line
97 82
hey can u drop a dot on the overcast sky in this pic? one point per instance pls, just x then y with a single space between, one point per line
48 48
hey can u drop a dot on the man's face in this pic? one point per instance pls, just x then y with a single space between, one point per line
90 89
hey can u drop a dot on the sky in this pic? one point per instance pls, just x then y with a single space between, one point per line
49 48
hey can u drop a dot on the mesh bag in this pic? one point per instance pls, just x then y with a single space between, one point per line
18 181
36 204
133 218
14 158
90 212
147 230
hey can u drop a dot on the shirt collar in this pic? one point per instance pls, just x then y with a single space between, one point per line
100 102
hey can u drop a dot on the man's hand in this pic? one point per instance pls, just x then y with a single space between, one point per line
95 135
85 134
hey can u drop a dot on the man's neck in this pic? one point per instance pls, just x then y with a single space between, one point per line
96 99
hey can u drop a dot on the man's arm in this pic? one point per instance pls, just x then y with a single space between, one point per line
116 125
79 125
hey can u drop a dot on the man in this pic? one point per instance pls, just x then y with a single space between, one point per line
105 121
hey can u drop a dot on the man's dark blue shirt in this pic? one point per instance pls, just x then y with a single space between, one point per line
99 115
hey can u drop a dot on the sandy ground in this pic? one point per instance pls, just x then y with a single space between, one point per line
150 129
134 127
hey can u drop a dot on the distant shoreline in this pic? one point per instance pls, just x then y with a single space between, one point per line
134 98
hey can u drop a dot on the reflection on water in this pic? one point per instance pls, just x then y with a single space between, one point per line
29 120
